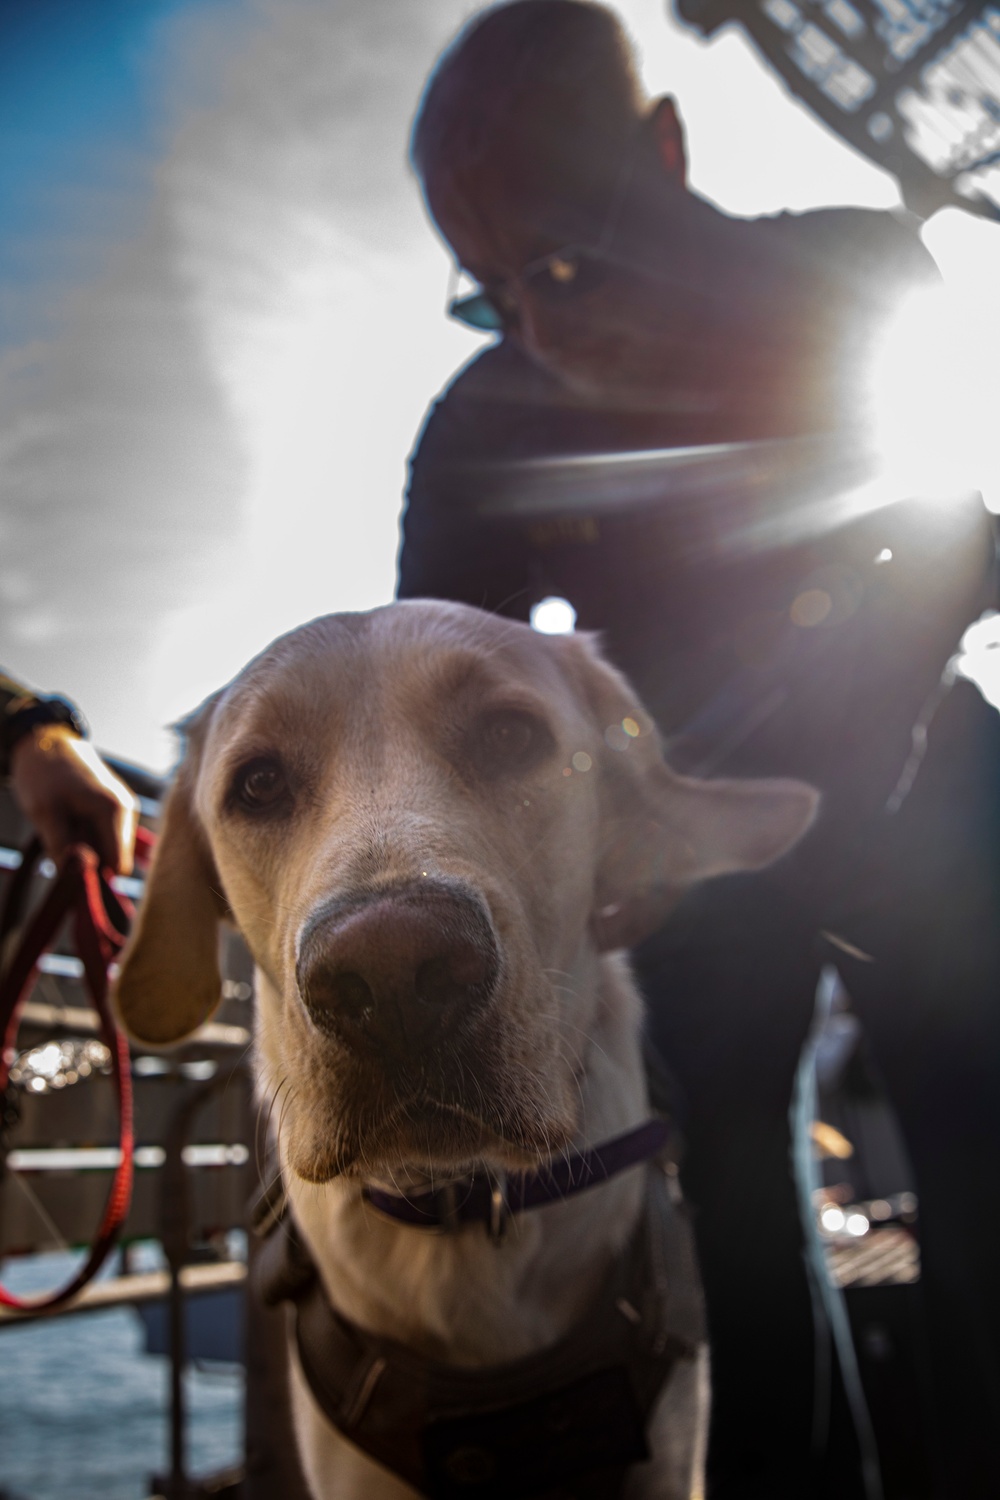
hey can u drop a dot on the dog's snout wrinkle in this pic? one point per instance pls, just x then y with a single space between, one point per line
399 968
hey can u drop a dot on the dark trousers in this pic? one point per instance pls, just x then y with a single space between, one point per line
731 982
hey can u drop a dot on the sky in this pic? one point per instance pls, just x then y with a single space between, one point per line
222 315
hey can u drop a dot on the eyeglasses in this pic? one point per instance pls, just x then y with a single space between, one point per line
560 277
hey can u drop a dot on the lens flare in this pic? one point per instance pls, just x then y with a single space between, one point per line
553 616
933 385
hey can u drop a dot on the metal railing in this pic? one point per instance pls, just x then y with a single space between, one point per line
914 85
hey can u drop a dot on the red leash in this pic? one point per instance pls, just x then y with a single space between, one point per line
101 921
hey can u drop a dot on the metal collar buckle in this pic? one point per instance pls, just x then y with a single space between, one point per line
496 1225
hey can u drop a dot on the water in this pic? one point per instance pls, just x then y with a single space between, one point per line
84 1410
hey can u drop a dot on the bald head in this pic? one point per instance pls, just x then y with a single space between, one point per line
560 188
530 95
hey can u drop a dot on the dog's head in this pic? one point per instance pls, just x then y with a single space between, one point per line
428 823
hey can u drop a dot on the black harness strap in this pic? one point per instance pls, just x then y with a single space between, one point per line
565 1423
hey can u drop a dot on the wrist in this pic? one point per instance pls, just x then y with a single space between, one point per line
24 716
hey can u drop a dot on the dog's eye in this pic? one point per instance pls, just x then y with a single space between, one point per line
509 740
258 785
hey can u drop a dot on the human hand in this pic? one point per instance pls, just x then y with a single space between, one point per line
71 796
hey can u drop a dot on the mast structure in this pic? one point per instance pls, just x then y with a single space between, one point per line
914 85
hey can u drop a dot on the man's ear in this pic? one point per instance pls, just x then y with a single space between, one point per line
169 982
661 833
667 135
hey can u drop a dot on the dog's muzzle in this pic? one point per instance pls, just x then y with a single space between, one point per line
398 969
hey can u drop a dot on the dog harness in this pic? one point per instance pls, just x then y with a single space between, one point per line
563 1424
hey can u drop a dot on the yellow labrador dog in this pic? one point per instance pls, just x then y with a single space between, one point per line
437 830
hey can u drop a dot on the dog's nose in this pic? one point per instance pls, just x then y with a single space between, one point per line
399 968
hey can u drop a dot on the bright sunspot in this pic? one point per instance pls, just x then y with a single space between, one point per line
552 616
934 383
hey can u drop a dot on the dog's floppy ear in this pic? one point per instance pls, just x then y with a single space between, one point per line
169 982
660 832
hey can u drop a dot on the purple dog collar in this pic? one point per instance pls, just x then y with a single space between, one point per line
491 1199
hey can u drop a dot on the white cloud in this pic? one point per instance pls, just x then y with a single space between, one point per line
210 443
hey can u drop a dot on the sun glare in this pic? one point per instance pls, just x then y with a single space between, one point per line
978 659
552 616
927 382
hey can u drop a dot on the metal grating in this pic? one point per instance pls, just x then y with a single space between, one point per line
912 84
